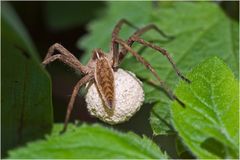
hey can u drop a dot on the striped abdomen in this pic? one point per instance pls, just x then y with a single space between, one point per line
105 81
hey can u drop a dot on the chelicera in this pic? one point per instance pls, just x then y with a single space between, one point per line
101 66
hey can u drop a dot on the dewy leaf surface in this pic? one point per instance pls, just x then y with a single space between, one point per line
26 88
92 141
209 122
200 29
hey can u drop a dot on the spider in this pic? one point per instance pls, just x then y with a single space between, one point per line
101 66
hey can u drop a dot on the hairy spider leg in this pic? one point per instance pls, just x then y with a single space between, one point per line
136 38
143 48
138 33
76 89
65 56
115 46
148 66
164 52
115 34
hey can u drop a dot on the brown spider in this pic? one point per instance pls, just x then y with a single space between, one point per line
101 66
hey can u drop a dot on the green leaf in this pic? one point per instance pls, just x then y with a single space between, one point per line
162 124
26 88
14 31
90 141
195 39
65 15
209 122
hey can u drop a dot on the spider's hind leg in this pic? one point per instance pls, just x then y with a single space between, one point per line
162 51
140 32
148 66
136 38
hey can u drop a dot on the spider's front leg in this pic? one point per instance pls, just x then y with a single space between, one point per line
65 56
140 32
136 38
115 46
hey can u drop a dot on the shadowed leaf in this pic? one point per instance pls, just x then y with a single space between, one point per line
26 89
64 15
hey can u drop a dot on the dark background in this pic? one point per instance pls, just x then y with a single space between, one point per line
48 23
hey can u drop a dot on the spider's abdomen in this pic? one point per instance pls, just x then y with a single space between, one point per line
105 81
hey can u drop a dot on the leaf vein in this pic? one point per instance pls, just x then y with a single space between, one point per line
223 127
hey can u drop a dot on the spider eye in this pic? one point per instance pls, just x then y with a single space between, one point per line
97 54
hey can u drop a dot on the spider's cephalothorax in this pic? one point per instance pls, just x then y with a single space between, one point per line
101 68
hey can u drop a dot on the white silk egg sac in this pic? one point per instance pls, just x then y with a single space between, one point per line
129 97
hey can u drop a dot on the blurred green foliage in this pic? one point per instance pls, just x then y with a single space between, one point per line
26 88
64 15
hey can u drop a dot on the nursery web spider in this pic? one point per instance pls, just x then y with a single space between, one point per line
101 66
